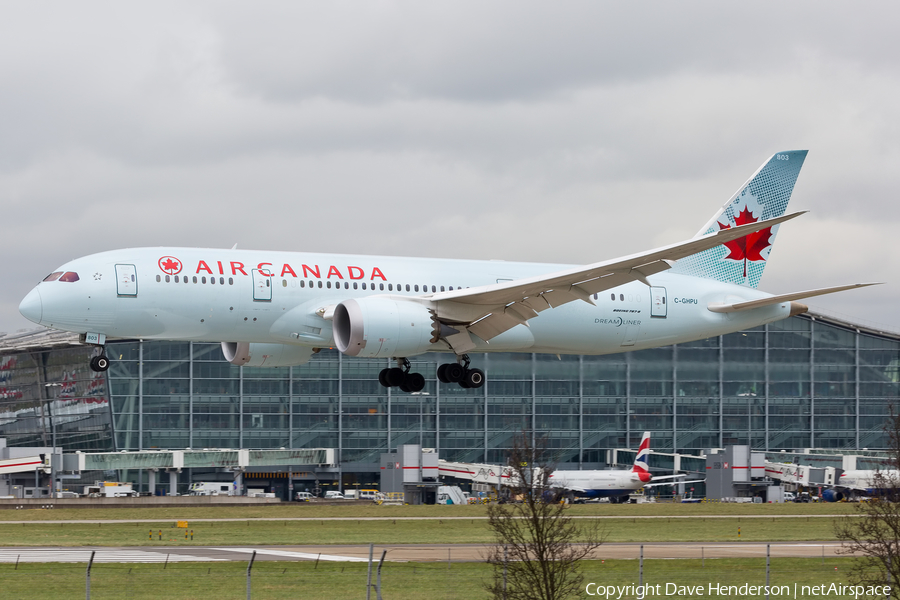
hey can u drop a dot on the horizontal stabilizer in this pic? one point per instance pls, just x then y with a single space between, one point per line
751 304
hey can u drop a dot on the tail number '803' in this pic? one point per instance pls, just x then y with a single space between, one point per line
782 157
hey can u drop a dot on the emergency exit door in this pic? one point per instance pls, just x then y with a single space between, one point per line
658 302
262 287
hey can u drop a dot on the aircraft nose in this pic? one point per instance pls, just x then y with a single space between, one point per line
31 306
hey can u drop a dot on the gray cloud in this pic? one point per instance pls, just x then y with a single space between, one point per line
509 130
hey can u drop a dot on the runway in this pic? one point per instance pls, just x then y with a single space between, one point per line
404 552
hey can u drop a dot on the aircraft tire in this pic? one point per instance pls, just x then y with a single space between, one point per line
475 378
99 364
455 373
442 373
382 378
415 382
395 377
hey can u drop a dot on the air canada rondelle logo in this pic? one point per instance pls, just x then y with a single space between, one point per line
170 265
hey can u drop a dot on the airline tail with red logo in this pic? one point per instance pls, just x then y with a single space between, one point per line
641 468
764 196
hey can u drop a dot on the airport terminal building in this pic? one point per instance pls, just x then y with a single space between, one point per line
806 382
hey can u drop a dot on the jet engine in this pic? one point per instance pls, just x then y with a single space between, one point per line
831 495
384 328
265 355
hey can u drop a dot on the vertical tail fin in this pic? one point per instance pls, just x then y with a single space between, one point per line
641 464
764 196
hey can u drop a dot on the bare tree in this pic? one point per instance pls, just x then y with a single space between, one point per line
539 546
873 534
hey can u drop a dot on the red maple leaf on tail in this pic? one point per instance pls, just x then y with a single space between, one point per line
750 246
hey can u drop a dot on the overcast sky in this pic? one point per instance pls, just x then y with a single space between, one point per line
554 132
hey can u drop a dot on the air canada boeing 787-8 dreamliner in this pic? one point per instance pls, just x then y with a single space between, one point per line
276 309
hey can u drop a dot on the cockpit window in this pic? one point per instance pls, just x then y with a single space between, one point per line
53 276
69 276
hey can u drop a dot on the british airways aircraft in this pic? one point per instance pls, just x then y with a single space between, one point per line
276 309
614 484
863 482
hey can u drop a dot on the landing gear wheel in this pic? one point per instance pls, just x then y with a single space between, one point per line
415 382
382 378
442 374
474 378
454 372
99 363
395 377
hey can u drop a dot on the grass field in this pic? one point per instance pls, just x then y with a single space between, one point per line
456 531
290 580
301 510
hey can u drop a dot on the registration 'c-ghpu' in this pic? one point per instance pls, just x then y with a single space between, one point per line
275 309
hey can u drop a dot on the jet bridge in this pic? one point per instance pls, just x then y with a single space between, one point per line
21 465
475 472
804 475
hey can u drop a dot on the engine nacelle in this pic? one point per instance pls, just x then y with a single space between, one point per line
384 328
265 355
832 495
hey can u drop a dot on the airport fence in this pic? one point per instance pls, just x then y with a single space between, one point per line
716 573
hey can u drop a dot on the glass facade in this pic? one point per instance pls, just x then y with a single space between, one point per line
797 383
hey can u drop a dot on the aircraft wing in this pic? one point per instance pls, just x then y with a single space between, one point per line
727 308
488 311
674 482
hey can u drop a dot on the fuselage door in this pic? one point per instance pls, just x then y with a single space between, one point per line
658 302
126 280
262 287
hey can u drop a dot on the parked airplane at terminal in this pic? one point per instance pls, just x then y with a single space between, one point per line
862 482
614 484
278 308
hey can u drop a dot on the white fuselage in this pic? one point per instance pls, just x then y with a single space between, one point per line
220 295
868 480
597 484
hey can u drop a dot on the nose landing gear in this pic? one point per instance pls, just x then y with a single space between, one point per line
459 372
99 362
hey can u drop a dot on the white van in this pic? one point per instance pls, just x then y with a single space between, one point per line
333 495
304 496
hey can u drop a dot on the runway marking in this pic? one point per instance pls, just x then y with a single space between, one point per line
67 555
294 555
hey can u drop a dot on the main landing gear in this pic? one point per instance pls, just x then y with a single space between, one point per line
99 362
400 377
459 372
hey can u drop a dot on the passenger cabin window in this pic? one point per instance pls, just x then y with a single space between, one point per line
53 276
70 276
